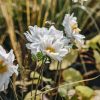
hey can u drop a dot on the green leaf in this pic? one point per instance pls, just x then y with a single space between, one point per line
75 97
30 95
84 91
92 42
71 75
33 57
36 75
39 55
97 59
62 91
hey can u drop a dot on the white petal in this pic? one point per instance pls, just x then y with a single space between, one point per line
11 57
28 36
55 56
2 50
14 69
58 45
63 52
4 80
3 54
55 33
79 36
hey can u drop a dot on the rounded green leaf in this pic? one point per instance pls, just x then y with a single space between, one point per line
62 91
84 91
30 95
71 75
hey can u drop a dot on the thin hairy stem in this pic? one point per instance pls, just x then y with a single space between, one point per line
67 84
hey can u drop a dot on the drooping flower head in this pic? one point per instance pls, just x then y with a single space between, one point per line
7 68
50 42
72 31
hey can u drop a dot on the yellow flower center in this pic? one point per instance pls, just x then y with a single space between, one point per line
3 67
75 28
50 49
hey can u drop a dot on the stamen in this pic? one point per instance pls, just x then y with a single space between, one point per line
75 28
3 67
50 49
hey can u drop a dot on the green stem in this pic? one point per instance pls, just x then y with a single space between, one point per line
59 72
40 77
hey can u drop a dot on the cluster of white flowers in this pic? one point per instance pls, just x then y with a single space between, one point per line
52 42
7 68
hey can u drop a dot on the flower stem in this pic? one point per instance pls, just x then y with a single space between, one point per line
40 77
59 76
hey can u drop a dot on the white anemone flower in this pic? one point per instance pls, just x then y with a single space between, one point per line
55 49
72 30
7 68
